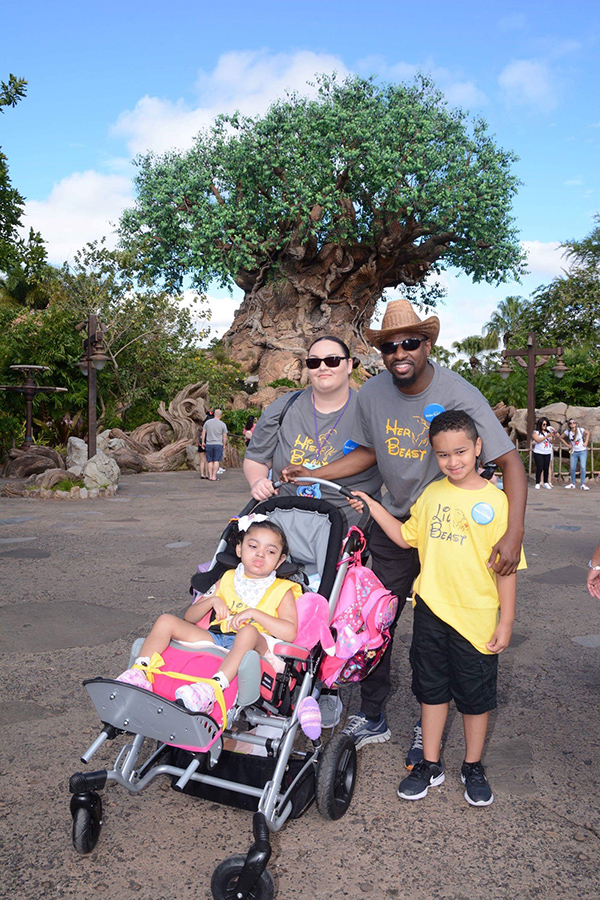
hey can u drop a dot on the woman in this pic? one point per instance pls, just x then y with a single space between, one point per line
543 436
249 429
576 440
317 428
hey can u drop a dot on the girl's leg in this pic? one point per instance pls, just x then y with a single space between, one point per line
475 731
168 628
582 466
247 638
573 467
546 470
537 458
433 721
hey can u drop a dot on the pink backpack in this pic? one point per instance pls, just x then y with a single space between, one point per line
361 620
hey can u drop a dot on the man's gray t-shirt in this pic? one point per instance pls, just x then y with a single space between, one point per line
298 442
215 429
396 426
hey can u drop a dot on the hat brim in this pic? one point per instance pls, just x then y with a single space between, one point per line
429 327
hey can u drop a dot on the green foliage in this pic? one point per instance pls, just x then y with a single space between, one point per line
235 419
283 382
17 256
225 377
384 169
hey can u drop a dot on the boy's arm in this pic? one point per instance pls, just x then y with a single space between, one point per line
506 553
283 626
391 525
507 594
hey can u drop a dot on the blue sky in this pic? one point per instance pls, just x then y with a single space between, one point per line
110 80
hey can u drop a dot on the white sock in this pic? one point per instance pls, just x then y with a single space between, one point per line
221 679
142 661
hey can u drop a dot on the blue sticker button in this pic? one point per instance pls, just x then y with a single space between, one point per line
349 446
482 513
433 410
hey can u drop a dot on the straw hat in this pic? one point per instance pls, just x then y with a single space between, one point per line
400 318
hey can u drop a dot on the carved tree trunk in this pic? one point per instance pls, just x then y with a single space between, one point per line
334 291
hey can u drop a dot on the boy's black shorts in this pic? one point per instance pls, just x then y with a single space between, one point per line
446 666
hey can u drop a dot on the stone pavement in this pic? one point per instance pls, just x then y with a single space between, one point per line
80 580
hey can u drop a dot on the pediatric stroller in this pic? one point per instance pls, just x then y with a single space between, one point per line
200 752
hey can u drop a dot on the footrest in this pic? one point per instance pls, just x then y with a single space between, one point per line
137 711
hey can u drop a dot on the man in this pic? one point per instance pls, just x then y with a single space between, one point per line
214 438
395 410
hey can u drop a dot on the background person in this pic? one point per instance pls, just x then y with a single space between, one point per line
543 438
201 447
576 440
249 429
214 439
318 427
593 579
395 409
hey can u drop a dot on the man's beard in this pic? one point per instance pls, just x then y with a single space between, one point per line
405 382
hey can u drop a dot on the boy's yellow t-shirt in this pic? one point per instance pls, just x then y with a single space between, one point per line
454 531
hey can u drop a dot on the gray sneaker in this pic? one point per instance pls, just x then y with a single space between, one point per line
331 709
364 731
423 776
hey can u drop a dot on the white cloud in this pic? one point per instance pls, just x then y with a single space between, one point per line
248 81
83 207
457 90
529 82
544 260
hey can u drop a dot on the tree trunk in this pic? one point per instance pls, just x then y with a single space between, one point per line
335 293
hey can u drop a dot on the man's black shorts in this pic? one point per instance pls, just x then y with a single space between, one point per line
446 666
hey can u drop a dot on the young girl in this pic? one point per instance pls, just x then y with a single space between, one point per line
253 609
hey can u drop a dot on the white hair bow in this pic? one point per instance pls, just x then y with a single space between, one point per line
244 522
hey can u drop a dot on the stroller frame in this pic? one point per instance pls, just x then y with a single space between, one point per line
326 772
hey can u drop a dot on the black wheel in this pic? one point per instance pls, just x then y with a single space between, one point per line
336 775
86 827
225 877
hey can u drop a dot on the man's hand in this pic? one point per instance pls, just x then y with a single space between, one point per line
506 554
291 472
262 489
500 638
593 583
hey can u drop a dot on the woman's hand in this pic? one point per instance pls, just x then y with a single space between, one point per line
262 489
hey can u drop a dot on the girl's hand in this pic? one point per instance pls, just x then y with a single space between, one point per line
240 619
220 607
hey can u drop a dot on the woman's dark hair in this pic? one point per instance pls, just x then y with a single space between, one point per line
453 420
331 337
270 526
249 423
540 423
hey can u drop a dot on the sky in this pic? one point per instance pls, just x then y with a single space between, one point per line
108 81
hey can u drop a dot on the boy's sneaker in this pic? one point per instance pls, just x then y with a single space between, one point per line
423 776
365 731
414 753
478 792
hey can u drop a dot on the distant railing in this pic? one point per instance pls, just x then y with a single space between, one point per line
561 460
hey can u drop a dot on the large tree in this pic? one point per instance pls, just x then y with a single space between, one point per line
317 207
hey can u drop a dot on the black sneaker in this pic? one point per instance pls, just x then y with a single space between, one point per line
478 792
423 776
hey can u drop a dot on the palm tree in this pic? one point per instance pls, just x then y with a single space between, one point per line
474 345
507 320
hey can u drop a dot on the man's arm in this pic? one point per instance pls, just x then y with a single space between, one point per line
361 459
506 553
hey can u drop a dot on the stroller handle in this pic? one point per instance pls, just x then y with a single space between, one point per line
304 479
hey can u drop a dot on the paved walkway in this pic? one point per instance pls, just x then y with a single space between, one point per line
79 580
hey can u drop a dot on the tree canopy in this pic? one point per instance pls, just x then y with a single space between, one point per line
323 203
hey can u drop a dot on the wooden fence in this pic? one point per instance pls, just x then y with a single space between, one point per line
561 461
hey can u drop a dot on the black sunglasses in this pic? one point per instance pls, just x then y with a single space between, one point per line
389 347
332 362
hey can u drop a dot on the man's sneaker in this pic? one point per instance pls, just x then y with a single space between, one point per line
364 731
569 487
331 709
423 776
478 792
414 754
584 487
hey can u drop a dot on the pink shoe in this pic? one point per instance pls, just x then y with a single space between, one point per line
198 697
135 677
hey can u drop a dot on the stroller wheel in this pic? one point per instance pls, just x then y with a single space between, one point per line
224 881
87 823
336 775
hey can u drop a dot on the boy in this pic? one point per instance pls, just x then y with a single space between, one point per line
457 634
